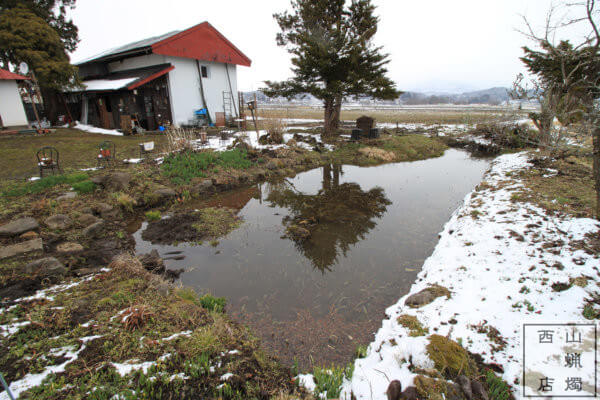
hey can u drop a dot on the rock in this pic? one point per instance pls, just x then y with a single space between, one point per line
426 296
165 193
87 219
394 390
58 221
292 143
67 196
260 174
94 229
101 208
115 181
29 235
18 227
101 252
478 390
410 393
152 262
48 266
21 248
465 385
87 210
206 186
69 248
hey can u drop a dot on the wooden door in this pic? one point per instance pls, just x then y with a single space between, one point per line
105 116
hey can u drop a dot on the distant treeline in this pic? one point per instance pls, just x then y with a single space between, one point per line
493 96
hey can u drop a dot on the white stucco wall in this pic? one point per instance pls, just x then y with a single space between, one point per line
11 106
184 84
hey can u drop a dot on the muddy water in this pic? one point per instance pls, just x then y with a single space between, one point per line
315 300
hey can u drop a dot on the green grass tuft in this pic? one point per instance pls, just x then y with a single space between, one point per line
181 168
84 187
498 389
45 184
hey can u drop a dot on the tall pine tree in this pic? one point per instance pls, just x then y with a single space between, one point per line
333 55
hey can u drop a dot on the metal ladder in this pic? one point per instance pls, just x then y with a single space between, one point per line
228 107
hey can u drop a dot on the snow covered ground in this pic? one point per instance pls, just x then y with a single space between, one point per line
493 256
93 129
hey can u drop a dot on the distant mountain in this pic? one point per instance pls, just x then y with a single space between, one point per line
492 96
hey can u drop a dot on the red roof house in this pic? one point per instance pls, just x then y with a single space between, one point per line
162 79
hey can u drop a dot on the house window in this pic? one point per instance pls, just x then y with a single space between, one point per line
204 70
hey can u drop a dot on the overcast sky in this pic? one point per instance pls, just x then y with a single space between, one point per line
436 45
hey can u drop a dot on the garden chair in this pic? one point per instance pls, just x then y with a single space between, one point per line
48 158
107 153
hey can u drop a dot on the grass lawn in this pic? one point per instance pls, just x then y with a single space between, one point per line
77 149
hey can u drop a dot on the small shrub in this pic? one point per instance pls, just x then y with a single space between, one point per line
361 351
449 357
153 215
411 323
84 187
212 303
126 201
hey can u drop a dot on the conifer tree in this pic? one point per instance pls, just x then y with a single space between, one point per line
333 55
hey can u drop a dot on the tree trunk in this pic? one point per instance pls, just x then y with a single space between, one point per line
52 107
596 157
333 109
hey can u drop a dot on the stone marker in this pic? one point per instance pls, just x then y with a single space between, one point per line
19 226
21 248
48 266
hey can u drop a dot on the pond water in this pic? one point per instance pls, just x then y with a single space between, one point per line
315 300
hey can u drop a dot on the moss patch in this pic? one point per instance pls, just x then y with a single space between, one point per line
434 389
449 357
411 323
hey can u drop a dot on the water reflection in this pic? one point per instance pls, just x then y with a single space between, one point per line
326 224
372 254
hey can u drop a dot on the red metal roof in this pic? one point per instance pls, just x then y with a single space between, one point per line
150 78
9 76
201 42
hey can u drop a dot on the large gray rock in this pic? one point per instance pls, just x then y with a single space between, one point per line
106 211
48 266
21 248
478 390
18 227
58 221
114 181
426 296
94 229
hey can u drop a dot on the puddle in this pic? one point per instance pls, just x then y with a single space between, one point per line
315 300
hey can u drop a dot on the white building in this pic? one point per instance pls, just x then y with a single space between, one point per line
12 112
160 80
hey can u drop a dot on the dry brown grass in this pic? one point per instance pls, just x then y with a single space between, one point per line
179 139
377 154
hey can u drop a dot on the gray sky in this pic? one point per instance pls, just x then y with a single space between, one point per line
435 45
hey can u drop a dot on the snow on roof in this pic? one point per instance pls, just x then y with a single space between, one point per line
106 84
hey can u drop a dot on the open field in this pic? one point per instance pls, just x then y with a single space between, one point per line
422 115
77 149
